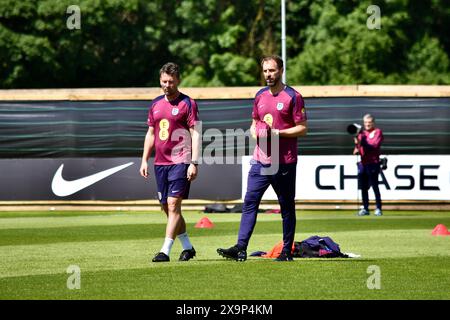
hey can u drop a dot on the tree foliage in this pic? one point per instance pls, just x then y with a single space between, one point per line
220 42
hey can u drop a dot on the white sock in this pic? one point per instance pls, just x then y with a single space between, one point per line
167 246
184 238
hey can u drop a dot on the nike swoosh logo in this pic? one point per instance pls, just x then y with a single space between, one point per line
284 173
63 188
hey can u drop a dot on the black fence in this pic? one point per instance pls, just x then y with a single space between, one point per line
72 129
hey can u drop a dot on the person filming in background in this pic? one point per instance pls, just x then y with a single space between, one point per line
367 144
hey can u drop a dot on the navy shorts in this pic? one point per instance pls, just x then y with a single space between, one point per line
172 181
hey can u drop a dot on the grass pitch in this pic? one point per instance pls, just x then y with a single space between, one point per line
113 252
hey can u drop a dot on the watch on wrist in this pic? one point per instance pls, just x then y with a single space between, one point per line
195 163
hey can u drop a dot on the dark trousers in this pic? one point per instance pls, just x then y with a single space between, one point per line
368 177
283 183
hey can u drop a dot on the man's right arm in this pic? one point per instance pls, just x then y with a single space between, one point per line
148 147
253 129
255 117
357 145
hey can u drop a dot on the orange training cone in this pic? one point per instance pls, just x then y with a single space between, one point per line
204 223
440 230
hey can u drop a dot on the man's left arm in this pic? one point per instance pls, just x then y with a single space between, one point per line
299 130
374 143
299 116
195 138
195 142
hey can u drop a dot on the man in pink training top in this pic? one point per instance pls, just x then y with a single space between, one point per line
171 130
278 112
368 144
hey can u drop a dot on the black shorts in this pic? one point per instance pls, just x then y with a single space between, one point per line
171 181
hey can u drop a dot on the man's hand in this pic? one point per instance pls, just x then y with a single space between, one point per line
262 129
355 140
192 172
355 151
144 170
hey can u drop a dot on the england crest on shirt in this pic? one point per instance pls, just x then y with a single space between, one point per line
280 106
175 111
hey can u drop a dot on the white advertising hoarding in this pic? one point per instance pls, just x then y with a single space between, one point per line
407 177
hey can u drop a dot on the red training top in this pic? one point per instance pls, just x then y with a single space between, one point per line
281 111
172 120
369 145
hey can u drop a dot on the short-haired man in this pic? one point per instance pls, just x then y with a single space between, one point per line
172 117
278 113
368 145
